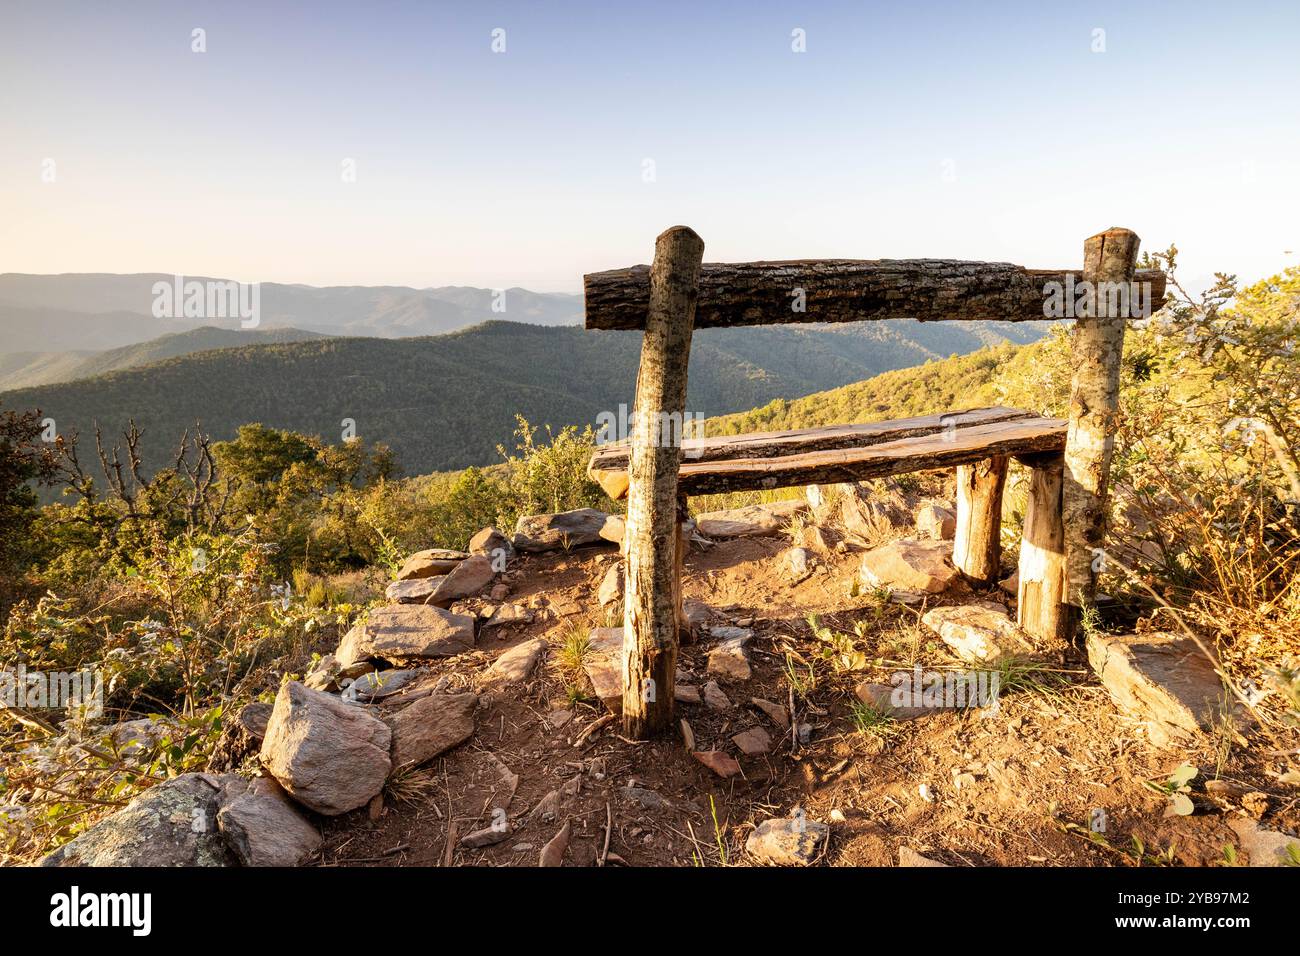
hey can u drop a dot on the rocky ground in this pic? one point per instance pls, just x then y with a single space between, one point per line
469 722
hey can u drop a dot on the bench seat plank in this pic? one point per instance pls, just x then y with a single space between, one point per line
844 452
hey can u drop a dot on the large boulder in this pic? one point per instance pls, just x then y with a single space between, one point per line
430 563
404 633
430 726
470 576
910 565
263 828
1162 678
171 824
332 756
752 520
567 529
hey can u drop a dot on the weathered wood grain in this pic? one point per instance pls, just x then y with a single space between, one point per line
802 458
841 290
977 545
652 592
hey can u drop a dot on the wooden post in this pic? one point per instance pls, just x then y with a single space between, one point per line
1097 349
652 598
977 545
1041 609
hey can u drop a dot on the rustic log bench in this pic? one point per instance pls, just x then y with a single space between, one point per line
977 442
1069 462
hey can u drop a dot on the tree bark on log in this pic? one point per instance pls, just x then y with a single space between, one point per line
843 290
652 595
977 545
1097 350
1041 609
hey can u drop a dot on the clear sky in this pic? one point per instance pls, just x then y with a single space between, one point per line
956 130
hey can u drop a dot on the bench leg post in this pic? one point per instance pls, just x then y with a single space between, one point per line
1041 610
1097 348
652 597
977 545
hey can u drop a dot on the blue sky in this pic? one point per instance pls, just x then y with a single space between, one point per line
963 130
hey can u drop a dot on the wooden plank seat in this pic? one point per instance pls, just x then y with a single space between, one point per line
842 453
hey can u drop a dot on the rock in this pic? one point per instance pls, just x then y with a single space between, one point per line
697 612
499 592
378 684
688 735
1011 583
611 589
514 665
567 529
330 755
553 853
753 742
881 697
1158 677
764 519
413 590
715 698
327 673
430 563
493 545
430 726
470 576
909 564
686 694
730 659
729 632
404 633
909 857
936 521
867 515
719 761
133 738
171 824
603 664
263 828
510 614
645 798
776 712
488 836
978 634
1266 847
798 564
241 737
795 842
613 529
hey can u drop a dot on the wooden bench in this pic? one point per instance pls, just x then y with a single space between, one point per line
977 442
1069 463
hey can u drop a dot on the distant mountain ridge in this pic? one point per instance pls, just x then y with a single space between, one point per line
446 402
47 313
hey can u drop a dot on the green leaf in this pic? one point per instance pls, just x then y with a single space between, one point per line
1182 804
1183 775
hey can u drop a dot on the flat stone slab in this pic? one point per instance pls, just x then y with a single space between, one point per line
514 665
1159 677
936 521
377 685
795 842
911 565
879 696
1265 847
611 588
403 633
565 529
429 563
730 659
977 633
430 726
413 590
753 742
603 664
468 578
719 761
752 520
